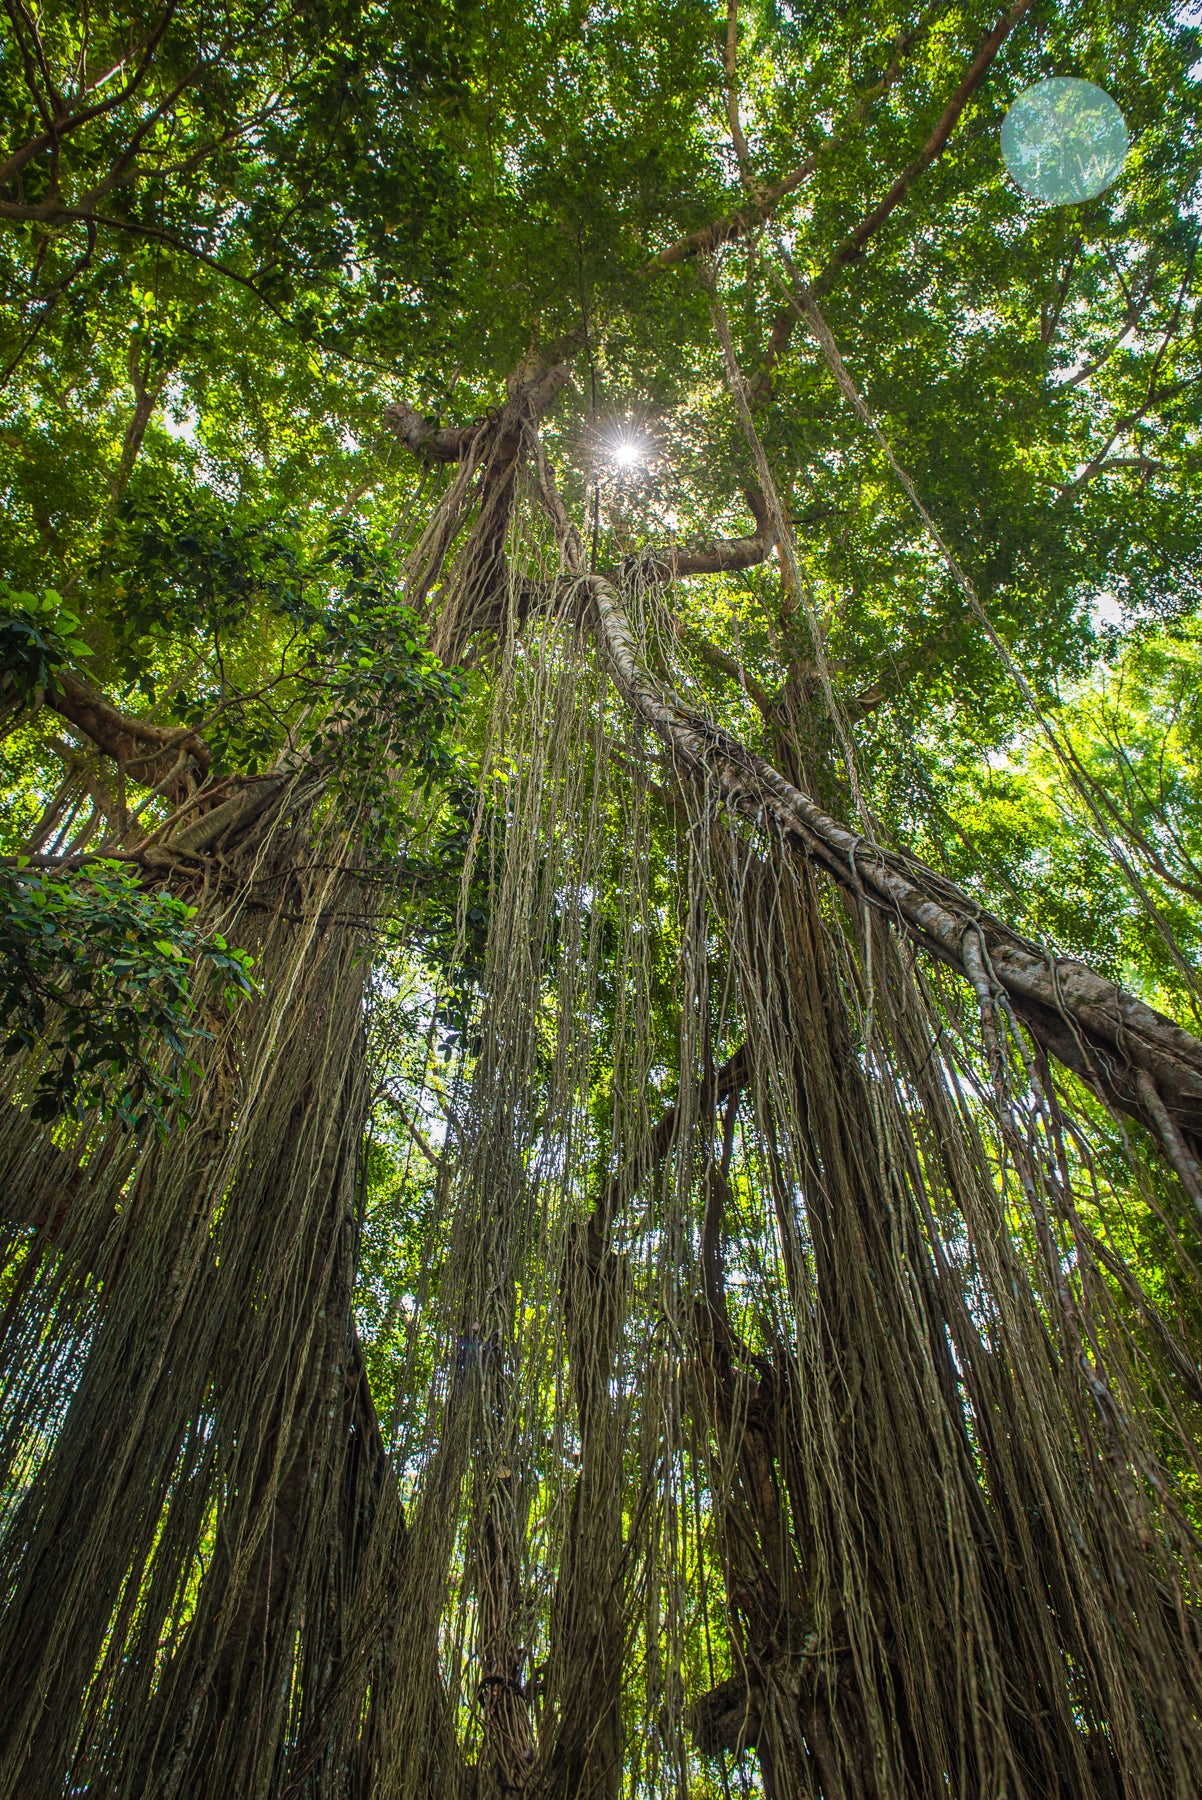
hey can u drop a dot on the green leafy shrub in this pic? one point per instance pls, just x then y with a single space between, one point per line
101 977
37 636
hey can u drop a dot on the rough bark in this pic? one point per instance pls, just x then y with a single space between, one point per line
153 755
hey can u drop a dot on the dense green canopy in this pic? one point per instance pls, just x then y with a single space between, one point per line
600 901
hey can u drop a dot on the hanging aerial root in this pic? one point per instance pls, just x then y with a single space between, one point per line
1129 1054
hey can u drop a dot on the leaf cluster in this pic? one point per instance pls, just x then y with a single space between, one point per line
38 635
102 982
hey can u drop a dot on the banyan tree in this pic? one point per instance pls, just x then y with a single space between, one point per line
600 906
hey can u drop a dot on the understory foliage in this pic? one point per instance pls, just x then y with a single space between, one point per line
99 976
600 894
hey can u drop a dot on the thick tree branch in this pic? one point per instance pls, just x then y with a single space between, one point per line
728 1718
427 439
172 763
726 556
1114 1042
760 209
149 753
852 246
532 387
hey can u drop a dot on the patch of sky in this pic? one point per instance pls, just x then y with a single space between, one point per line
1106 611
1191 15
179 417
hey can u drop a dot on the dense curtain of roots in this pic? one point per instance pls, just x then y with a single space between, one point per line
814 1417
179 1385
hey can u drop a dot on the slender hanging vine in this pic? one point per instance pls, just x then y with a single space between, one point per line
546 1249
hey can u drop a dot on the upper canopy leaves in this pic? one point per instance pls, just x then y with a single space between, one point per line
232 238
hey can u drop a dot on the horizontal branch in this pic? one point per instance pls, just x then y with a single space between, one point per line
721 556
426 438
1146 465
725 556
